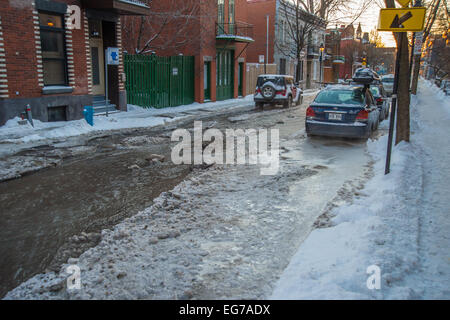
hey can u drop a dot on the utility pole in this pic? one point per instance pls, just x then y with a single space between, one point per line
322 49
417 57
267 44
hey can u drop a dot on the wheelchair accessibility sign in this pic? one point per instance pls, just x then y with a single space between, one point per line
112 56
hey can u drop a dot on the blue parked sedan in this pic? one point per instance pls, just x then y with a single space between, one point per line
343 111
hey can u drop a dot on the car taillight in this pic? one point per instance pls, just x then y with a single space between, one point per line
283 92
258 90
380 100
310 113
363 115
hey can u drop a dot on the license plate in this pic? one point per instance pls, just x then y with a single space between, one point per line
334 116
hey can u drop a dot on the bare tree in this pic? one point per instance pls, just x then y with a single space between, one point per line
300 23
171 25
302 17
434 8
440 56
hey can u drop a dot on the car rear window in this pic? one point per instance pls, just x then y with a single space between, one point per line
388 80
340 97
278 81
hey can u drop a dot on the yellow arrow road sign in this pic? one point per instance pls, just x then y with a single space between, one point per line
402 20
403 3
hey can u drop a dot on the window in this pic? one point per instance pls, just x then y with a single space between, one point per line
340 97
231 7
221 15
56 114
282 66
53 49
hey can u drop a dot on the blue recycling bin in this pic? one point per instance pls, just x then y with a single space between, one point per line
89 115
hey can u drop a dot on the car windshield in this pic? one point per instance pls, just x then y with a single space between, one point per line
340 97
278 81
388 80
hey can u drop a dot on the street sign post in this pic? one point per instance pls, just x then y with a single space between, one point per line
402 20
399 20
418 43
403 3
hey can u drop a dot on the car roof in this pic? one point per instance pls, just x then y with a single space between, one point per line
344 87
274 76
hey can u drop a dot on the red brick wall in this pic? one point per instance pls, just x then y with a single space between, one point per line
198 37
22 48
258 10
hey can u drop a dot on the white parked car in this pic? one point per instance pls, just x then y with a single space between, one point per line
388 83
277 89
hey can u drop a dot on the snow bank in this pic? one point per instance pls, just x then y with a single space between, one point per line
374 230
136 117
385 225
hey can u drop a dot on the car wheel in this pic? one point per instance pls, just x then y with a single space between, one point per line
381 117
268 92
288 103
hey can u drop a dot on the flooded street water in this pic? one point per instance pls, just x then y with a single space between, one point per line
39 212
112 178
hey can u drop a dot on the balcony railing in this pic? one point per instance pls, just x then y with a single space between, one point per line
123 7
239 32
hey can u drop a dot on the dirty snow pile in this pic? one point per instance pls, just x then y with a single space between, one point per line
398 225
136 117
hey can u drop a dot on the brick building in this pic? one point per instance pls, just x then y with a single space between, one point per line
271 19
52 56
351 49
334 60
215 32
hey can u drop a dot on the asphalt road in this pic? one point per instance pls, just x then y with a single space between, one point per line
100 182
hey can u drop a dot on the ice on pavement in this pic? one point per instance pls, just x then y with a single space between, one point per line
399 223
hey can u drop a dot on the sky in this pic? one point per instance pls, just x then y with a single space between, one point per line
369 20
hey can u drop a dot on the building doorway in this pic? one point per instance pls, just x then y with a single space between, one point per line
241 79
97 57
225 74
207 80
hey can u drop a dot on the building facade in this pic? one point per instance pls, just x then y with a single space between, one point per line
215 32
274 38
52 56
334 60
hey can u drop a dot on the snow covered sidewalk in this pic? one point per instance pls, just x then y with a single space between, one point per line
399 224
136 117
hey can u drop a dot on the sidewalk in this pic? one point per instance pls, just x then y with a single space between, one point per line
398 223
136 117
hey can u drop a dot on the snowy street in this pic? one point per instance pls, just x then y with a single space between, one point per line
222 232
313 231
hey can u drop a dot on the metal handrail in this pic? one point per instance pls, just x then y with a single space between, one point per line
236 29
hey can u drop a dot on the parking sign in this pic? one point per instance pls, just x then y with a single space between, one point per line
112 56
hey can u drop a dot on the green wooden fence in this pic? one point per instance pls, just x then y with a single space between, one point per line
159 82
